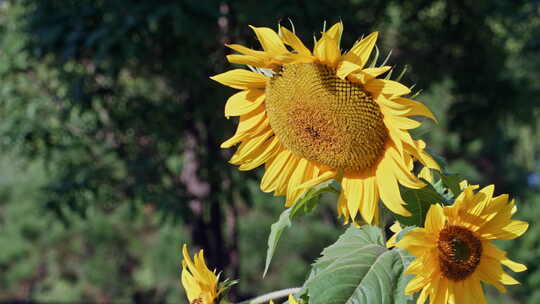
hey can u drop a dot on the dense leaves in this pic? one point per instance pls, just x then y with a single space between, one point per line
358 268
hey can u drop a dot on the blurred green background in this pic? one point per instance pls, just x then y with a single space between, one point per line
110 133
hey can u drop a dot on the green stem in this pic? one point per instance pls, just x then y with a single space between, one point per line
272 295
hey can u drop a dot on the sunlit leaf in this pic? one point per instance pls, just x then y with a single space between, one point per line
418 203
358 268
305 204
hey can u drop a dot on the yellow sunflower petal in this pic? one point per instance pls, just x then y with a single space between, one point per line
405 123
291 39
269 40
335 31
416 108
415 284
416 241
426 174
288 170
342 208
360 52
273 170
241 79
395 228
435 219
243 102
292 300
266 151
423 295
443 292
402 172
318 180
389 189
248 60
418 152
248 147
327 50
247 51
382 86
352 188
345 68
374 72
364 75
500 255
476 294
490 271
370 199
295 180
511 231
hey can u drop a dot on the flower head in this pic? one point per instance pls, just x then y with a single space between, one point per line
200 284
310 116
454 251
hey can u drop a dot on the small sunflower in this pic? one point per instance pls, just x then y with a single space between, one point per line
313 116
454 251
200 284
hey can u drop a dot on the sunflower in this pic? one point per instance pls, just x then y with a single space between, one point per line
454 251
310 116
200 284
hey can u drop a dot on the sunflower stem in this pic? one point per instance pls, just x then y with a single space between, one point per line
272 295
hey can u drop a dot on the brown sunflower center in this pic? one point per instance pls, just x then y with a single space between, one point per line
197 301
459 252
325 119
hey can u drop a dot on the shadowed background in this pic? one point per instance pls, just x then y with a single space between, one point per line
110 133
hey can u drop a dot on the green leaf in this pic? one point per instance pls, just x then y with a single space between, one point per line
309 200
305 204
418 203
441 161
275 233
358 268
451 181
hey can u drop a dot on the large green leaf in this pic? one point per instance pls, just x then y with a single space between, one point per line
358 268
305 204
418 203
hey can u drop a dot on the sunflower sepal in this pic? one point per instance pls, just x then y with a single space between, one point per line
223 290
304 205
309 200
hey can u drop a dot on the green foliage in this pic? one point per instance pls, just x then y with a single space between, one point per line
359 268
104 257
276 229
305 204
418 203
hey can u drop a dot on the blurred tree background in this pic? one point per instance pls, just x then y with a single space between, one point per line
110 133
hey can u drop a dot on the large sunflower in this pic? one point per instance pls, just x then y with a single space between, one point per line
313 116
454 251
